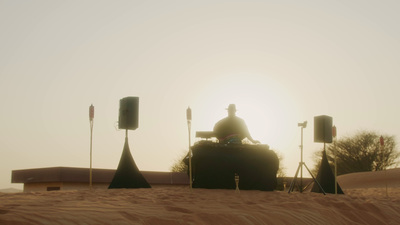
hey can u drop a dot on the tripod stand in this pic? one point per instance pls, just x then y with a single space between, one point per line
300 167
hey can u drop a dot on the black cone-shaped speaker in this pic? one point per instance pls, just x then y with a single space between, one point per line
323 129
129 113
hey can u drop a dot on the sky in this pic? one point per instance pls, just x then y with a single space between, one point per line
280 62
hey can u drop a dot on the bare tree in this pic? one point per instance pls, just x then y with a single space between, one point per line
179 164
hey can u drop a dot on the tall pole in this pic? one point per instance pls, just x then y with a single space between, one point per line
335 150
302 125
301 168
301 164
189 121
382 142
91 116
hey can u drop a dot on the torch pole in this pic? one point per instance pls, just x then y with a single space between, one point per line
190 158
335 150
189 121
91 116
301 168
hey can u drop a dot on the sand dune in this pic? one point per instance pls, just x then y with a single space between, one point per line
363 203
371 179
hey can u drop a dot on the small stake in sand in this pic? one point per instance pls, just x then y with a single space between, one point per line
382 142
91 116
237 183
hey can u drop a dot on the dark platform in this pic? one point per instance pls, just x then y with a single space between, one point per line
214 166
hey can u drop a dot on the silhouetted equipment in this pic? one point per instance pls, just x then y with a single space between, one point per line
326 178
129 113
128 174
301 164
323 129
205 134
215 165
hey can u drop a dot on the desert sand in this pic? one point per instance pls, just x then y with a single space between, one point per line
365 202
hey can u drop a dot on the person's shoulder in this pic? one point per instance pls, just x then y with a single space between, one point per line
222 121
238 119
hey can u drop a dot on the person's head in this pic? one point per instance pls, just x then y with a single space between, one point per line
231 110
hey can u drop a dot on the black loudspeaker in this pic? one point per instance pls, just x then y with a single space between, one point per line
323 129
129 113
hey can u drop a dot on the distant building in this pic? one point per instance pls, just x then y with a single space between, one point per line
70 178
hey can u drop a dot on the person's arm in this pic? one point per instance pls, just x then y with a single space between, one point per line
254 141
247 133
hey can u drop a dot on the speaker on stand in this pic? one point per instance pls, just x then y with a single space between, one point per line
300 167
128 113
323 134
127 174
323 129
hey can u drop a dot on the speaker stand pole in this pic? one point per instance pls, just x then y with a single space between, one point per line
300 167
300 164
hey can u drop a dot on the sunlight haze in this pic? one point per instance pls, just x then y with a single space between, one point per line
281 63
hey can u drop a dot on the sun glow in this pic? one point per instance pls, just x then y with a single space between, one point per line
268 108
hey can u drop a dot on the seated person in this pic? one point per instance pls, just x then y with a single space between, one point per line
232 129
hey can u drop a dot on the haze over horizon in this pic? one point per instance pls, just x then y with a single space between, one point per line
280 63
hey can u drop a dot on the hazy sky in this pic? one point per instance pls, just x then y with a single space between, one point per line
280 62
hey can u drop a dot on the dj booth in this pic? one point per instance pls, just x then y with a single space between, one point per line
215 165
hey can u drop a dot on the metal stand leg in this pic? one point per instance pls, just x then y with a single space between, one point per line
301 163
295 179
315 180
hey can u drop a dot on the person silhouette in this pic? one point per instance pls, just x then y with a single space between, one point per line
232 129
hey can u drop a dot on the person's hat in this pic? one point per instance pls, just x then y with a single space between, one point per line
231 107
